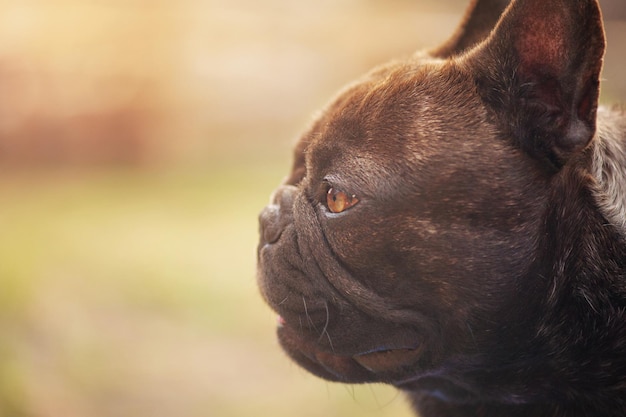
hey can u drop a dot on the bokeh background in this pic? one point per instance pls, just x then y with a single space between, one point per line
138 141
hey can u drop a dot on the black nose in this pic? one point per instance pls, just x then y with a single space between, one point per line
277 215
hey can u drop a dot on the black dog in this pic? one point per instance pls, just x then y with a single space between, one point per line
455 224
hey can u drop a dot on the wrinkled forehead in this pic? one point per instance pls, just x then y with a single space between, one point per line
413 110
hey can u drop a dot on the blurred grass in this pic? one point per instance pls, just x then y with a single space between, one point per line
132 292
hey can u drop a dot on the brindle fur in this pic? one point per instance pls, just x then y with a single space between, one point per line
483 270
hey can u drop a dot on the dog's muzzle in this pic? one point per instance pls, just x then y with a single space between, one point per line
277 215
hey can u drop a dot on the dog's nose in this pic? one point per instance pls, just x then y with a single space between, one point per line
277 215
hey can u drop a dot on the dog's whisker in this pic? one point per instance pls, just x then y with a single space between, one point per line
374 396
330 342
350 391
469 327
379 404
589 301
324 330
284 301
306 313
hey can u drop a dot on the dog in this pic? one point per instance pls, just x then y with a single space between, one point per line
454 224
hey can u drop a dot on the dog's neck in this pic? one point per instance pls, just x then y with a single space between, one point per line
609 167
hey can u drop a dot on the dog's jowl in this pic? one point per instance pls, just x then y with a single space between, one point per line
455 224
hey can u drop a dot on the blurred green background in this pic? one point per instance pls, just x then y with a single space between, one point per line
138 142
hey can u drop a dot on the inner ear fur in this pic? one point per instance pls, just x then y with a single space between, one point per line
539 70
480 18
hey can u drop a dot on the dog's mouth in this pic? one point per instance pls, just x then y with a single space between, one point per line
388 360
373 365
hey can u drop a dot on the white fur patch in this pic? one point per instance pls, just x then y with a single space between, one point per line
609 168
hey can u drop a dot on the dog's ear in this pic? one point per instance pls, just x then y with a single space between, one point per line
539 70
480 18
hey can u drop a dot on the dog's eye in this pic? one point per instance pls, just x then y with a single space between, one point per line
338 201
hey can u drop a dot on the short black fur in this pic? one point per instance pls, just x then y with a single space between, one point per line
482 269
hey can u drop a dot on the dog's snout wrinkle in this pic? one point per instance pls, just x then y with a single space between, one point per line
284 195
277 215
271 226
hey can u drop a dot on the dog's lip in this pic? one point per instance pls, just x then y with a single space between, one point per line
386 360
379 360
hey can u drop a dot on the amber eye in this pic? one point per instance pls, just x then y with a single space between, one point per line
338 201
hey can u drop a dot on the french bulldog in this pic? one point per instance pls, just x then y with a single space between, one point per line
455 224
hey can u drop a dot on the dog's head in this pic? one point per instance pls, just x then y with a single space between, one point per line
406 234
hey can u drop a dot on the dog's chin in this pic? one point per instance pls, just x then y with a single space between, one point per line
378 365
